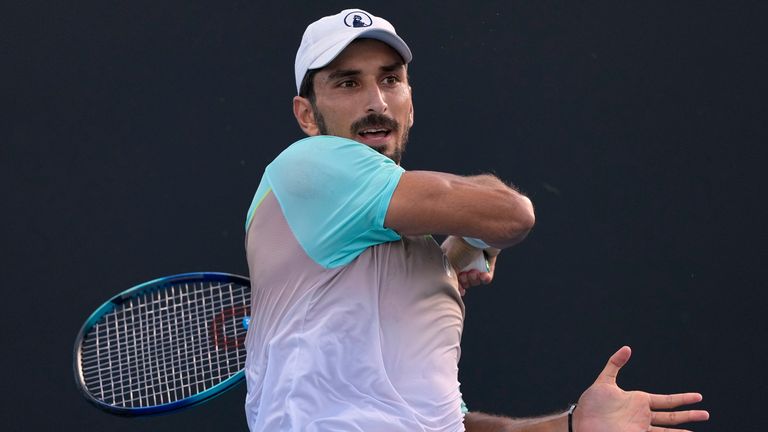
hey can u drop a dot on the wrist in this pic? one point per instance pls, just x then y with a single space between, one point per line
489 250
476 243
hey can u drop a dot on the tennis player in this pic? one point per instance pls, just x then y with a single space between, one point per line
357 312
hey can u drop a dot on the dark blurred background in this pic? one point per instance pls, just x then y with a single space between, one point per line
134 134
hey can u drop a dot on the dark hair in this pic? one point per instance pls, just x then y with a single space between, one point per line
307 88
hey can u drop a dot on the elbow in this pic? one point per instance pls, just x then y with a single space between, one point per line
516 225
523 220
528 216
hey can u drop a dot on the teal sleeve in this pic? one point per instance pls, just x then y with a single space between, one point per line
334 194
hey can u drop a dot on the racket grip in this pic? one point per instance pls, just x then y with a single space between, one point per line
479 262
464 257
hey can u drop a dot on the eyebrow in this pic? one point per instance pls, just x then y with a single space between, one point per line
345 73
393 67
342 73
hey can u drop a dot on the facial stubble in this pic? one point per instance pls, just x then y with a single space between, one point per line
371 120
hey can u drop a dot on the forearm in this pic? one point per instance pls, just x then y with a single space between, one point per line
476 206
481 422
524 211
508 201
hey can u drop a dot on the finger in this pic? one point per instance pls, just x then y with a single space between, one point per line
464 283
677 417
665 429
674 400
615 363
473 277
470 278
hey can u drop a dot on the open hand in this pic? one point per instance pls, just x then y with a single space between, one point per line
604 407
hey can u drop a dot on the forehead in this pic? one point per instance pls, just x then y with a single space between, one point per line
362 54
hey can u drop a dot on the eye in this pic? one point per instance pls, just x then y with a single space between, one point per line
347 84
391 80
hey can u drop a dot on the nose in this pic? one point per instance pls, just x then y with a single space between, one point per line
375 102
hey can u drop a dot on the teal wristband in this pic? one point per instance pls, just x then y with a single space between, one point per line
477 243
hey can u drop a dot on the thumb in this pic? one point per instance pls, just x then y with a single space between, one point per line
615 363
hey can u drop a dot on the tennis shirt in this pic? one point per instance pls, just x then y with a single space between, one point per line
353 327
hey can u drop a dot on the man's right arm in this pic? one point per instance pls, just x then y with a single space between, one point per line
428 202
604 407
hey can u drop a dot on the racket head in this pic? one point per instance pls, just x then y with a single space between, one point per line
167 344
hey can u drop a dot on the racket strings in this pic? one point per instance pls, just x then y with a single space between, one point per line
226 331
166 345
185 371
170 364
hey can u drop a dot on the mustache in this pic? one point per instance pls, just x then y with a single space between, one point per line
375 120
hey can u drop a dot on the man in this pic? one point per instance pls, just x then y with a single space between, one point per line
357 312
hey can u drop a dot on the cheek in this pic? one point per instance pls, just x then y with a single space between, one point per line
330 117
336 113
403 102
407 114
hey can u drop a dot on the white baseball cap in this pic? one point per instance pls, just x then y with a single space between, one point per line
325 38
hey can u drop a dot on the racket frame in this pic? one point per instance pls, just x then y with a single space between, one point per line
126 295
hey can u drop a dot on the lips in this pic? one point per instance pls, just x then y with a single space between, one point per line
376 138
375 132
373 124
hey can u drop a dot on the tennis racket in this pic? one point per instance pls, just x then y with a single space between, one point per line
164 345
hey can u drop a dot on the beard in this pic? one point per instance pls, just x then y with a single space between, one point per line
371 120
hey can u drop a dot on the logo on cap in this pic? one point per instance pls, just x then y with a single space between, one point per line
358 19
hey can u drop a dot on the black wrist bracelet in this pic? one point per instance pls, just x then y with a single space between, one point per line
571 409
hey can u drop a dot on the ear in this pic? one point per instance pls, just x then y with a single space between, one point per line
302 110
